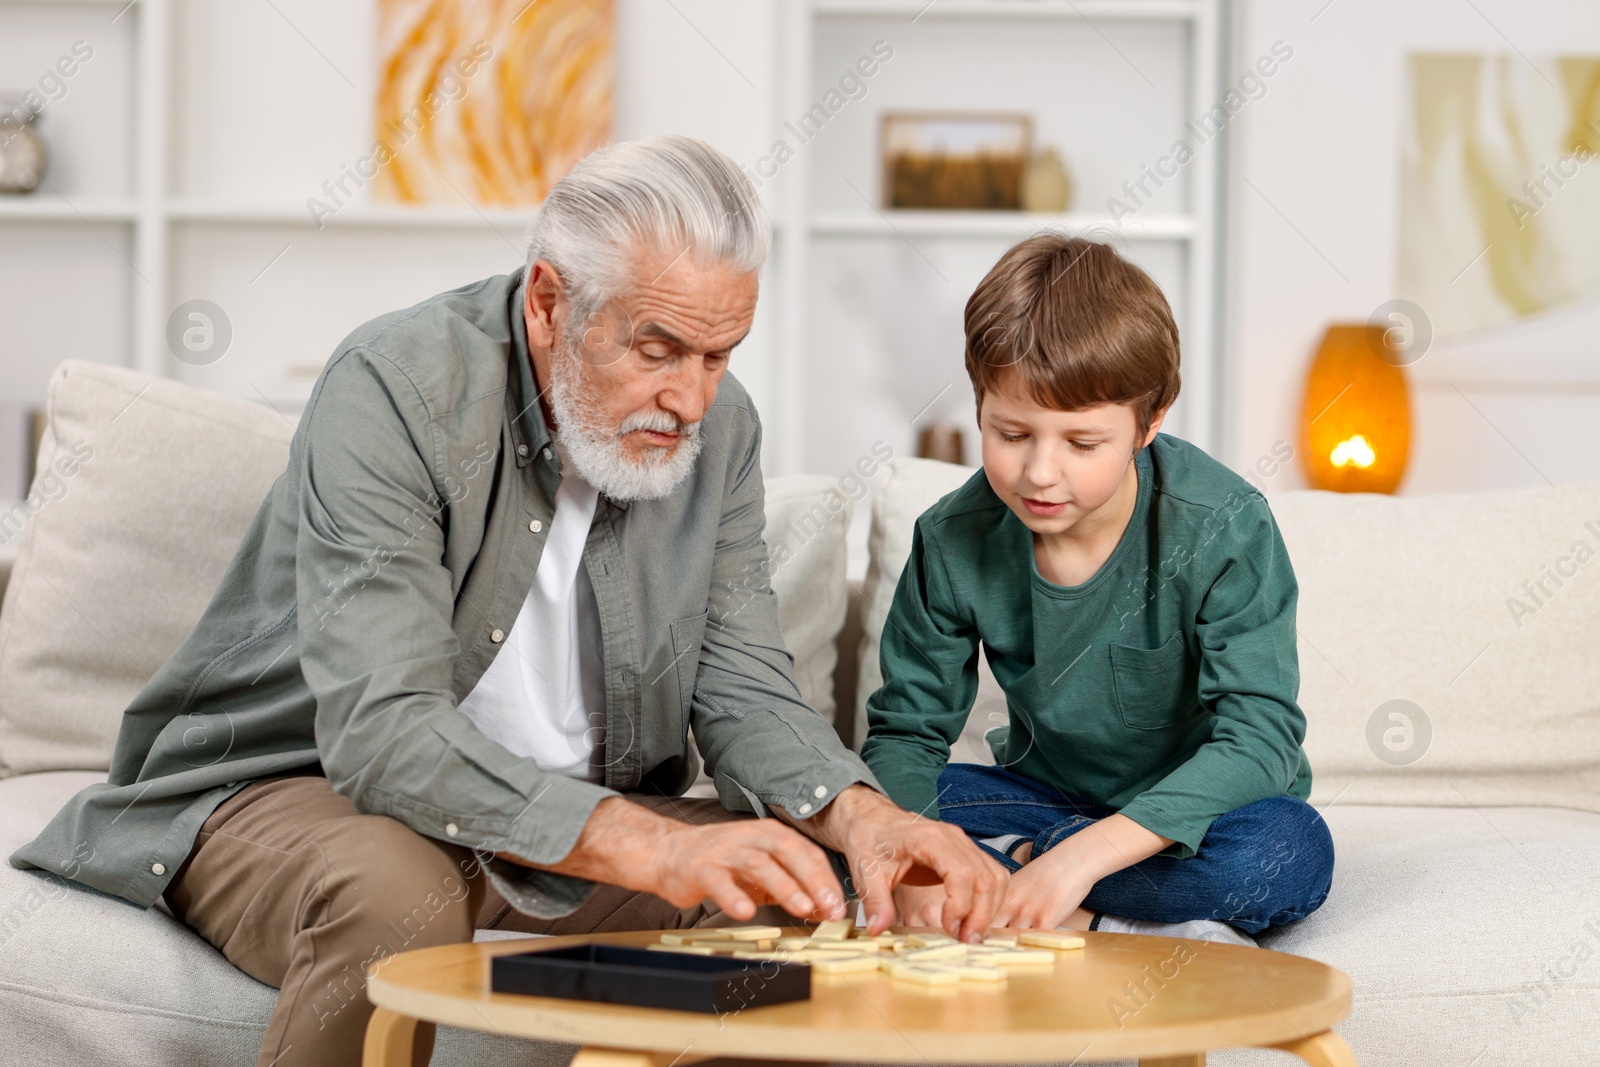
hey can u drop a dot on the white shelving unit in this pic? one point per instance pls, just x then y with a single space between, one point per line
184 206
147 223
1003 224
813 226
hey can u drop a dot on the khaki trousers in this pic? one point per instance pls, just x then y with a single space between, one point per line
301 891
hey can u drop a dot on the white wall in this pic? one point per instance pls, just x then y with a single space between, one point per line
259 112
1314 194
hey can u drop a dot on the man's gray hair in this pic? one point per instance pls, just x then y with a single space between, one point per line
672 194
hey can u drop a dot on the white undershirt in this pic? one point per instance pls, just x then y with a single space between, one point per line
543 695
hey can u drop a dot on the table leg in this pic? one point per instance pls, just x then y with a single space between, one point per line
1196 1060
1326 1049
389 1041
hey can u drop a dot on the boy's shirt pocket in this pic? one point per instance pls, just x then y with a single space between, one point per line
1155 687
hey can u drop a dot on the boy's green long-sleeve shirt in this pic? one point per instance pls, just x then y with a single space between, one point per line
1163 687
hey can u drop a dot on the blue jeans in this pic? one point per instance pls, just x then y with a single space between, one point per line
1266 864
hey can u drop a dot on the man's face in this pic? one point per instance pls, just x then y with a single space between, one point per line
1057 469
653 355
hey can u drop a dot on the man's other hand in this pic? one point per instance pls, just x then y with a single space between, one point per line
743 865
739 865
887 846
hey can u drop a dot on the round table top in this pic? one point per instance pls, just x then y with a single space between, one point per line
1120 996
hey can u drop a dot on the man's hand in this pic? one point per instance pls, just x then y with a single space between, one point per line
887 846
738 865
742 865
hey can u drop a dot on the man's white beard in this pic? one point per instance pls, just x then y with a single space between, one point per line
599 453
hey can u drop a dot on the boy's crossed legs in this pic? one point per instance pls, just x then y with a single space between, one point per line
1266 864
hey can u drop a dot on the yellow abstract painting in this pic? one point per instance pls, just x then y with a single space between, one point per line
1500 187
488 102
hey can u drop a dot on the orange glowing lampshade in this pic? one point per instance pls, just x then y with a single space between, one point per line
1355 422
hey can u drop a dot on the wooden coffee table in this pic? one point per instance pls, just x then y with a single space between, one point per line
1163 1001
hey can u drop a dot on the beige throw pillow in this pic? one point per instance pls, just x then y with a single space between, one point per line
1473 617
143 489
910 487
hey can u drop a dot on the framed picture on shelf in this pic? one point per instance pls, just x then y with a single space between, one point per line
954 160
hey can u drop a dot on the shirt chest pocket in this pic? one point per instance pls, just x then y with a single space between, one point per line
687 637
1155 687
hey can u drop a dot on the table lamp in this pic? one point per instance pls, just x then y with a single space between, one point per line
1355 421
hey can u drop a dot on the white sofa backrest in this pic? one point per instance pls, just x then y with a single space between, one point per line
910 487
143 491
1434 670
1401 599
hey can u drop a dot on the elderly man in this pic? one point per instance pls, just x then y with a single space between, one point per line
508 569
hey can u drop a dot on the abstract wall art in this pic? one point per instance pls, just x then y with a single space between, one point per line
488 102
1500 187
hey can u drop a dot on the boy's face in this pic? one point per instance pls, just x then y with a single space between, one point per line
1057 469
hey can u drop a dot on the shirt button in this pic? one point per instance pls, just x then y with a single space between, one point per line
820 791
497 636
805 809
546 453
522 450
535 525
158 868
451 829
230 785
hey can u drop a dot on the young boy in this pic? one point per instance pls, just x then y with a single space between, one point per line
1134 600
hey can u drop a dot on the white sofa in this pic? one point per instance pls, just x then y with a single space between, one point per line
1463 905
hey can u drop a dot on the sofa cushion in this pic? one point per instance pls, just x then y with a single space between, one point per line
1468 934
87 978
1481 612
1416 599
142 492
82 973
910 487
807 518
1472 935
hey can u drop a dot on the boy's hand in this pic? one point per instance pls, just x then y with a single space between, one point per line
1045 892
919 905
1049 888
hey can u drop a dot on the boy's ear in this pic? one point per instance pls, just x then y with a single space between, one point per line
1155 426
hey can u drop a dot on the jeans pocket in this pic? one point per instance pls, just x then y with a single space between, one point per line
1153 685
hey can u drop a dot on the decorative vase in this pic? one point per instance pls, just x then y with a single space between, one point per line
1046 186
23 157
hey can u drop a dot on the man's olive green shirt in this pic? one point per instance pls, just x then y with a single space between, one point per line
382 574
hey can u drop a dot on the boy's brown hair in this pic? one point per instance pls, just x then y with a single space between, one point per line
1077 324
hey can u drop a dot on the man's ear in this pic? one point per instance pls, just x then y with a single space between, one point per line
545 293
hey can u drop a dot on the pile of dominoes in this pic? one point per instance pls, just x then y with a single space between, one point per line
836 947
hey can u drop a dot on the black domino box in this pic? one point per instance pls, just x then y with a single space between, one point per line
618 974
